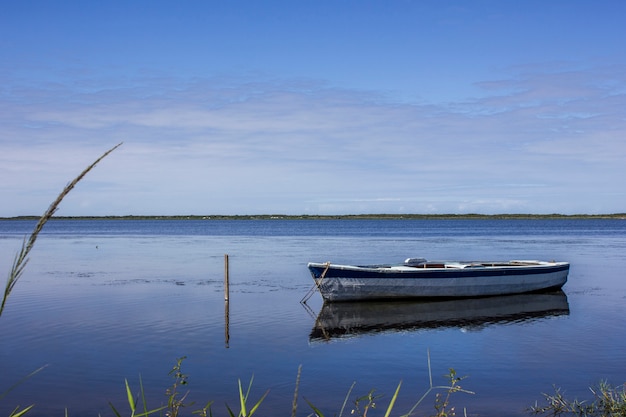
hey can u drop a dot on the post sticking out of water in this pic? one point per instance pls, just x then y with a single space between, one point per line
226 277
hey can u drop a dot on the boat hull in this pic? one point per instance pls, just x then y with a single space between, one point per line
351 283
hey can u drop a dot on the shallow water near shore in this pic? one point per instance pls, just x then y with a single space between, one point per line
105 300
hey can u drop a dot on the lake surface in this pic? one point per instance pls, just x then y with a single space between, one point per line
107 300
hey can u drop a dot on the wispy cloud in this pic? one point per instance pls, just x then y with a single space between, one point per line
214 146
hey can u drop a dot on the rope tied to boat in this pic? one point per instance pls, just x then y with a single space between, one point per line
316 286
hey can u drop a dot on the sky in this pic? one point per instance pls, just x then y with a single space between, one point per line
313 107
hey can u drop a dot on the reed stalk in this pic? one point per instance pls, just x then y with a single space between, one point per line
21 259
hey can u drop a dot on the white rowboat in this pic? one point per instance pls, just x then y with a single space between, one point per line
418 278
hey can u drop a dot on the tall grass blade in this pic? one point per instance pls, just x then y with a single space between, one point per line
242 400
258 403
131 399
393 400
12 387
294 404
114 409
430 373
21 259
345 400
143 395
132 402
316 410
452 388
16 413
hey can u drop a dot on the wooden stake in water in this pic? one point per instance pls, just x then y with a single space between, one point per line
226 277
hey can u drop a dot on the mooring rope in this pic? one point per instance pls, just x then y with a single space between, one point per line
316 286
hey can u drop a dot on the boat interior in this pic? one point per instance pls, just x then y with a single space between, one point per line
423 263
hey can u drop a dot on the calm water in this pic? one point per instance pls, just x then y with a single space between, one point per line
102 301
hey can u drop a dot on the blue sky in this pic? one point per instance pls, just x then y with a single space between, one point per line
314 107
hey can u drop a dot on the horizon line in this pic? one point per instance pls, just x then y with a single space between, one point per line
277 216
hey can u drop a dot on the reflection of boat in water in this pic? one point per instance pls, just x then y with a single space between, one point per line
337 320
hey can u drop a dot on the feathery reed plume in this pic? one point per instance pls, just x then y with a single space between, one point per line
21 259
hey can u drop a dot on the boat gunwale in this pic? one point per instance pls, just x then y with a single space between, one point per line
449 266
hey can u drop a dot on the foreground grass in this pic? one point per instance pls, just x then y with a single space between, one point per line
606 401
22 256
359 406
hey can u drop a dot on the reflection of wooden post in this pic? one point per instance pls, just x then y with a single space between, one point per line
226 306
226 324
226 278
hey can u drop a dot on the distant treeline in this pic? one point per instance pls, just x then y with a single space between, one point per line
334 217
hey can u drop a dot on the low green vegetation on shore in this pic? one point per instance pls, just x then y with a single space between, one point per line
334 217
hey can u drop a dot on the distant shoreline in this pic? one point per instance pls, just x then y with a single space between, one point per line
335 217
